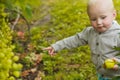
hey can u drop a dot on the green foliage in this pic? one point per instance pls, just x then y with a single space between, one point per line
116 78
68 66
73 64
116 3
67 18
24 7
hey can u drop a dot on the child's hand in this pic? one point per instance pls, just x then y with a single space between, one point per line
111 64
116 66
50 50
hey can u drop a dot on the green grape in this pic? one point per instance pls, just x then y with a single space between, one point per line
2 76
15 58
20 66
15 66
16 73
2 55
11 54
9 61
0 65
11 78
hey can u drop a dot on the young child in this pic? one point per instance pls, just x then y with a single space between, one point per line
102 36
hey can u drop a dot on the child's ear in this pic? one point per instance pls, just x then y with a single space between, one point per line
114 14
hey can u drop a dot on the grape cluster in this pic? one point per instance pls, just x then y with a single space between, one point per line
9 67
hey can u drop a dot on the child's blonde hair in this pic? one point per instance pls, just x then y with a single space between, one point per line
107 3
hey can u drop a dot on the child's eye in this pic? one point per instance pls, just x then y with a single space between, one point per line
93 19
103 17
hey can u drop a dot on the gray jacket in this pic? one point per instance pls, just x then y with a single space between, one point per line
101 45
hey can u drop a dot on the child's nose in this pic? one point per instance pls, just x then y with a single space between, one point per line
99 21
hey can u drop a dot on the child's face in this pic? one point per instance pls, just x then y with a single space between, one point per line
101 18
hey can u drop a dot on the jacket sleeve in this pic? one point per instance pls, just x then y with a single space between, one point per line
73 41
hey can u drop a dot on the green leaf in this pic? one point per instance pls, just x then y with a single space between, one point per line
28 12
116 48
116 78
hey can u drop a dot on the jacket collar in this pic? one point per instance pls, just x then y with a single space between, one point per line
115 26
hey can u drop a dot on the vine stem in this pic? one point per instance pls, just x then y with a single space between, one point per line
16 21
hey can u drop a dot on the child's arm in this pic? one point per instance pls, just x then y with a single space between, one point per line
71 42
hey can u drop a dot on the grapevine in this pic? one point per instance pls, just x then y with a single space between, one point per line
9 68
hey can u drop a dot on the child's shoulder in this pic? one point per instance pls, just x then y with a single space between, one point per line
90 28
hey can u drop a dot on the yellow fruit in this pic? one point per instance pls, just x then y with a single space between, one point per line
109 63
15 66
15 58
11 78
16 73
20 66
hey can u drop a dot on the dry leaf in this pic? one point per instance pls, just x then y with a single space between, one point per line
25 73
33 70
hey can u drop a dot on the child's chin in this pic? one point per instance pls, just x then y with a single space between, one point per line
101 31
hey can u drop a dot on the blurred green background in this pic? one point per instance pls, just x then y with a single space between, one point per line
42 23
